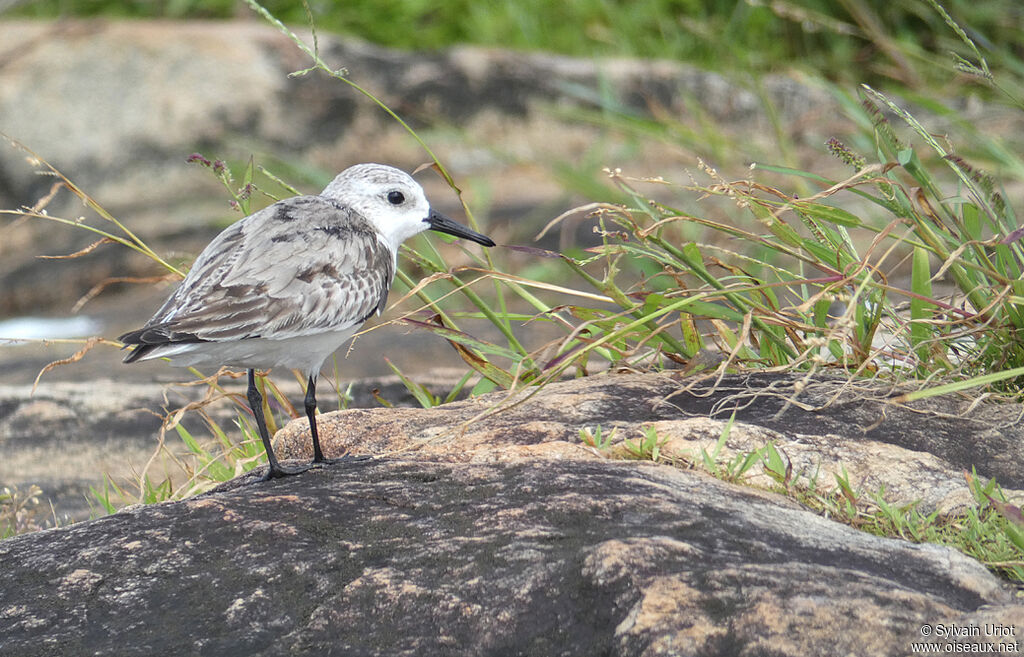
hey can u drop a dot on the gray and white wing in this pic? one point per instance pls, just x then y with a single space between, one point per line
299 267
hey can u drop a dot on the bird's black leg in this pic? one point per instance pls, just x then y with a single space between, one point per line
256 404
318 454
310 401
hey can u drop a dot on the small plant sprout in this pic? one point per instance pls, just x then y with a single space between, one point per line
710 459
776 465
647 448
596 438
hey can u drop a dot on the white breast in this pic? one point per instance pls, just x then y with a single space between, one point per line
306 353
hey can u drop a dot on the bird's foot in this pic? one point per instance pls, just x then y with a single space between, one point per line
347 458
281 471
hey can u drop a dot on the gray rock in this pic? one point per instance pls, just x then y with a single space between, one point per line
67 437
538 557
917 452
484 527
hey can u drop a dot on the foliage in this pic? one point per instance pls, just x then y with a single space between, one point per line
853 41
796 279
991 530
19 510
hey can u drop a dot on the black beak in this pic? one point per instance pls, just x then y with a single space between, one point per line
443 224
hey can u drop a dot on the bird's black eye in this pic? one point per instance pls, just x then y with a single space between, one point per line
396 198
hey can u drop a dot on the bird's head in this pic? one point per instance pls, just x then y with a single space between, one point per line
394 203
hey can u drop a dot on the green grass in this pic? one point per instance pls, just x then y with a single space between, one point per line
791 269
991 530
793 278
854 41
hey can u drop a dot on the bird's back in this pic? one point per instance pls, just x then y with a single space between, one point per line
301 268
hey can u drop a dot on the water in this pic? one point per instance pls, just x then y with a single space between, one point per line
18 329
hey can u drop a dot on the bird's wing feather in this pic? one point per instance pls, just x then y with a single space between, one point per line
302 266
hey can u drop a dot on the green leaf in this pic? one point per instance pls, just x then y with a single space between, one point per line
713 311
484 386
214 468
958 386
775 168
829 214
103 497
971 220
1008 266
821 308
920 310
691 335
776 467
188 439
830 257
652 302
695 260
710 459
779 228
420 393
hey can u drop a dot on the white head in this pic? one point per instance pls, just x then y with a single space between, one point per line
394 203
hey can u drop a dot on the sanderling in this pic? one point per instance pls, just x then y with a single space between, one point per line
288 285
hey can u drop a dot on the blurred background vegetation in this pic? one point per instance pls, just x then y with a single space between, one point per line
950 177
845 41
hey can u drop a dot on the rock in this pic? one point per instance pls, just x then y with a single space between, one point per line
68 437
485 527
532 557
917 452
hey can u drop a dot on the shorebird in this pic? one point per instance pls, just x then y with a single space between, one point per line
288 285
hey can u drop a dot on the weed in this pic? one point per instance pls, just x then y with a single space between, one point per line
735 469
19 510
647 448
597 439
991 532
